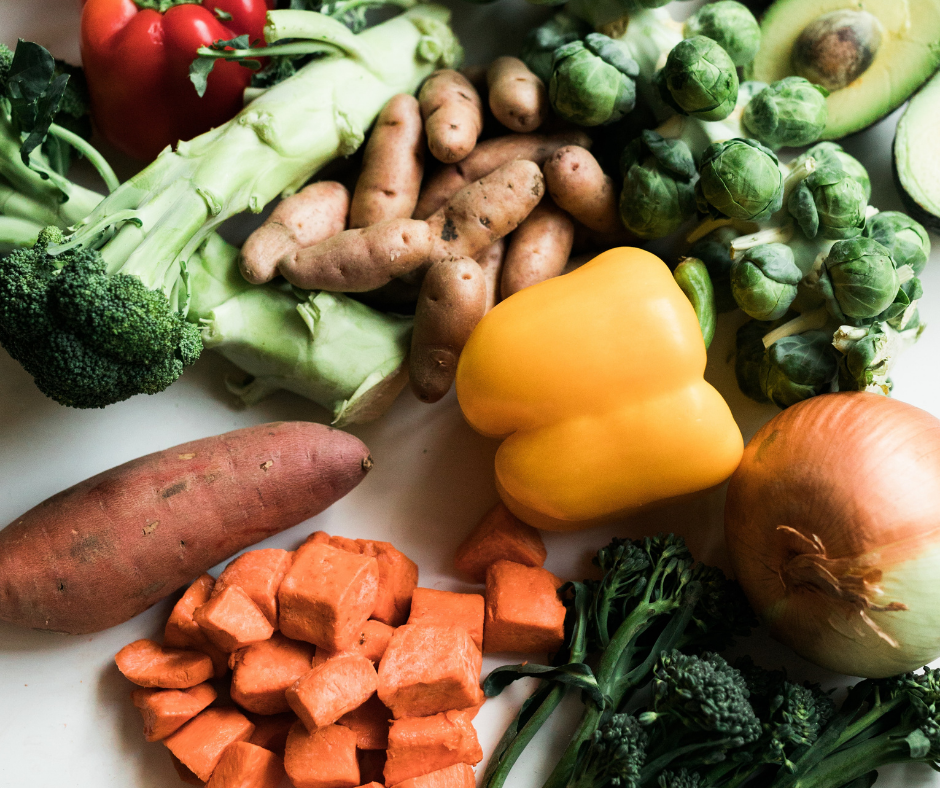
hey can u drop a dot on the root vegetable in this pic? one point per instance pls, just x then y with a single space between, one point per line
392 165
108 548
579 186
488 156
491 263
518 98
148 664
453 115
538 249
312 215
451 303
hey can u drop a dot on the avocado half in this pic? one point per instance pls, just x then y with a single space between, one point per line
917 158
906 57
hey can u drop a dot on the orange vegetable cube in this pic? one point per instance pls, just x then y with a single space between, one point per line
370 643
446 608
523 611
199 744
427 670
343 543
327 596
245 765
398 578
259 573
148 664
271 730
332 689
460 775
185 774
500 535
325 758
420 745
183 632
165 710
262 673
232 620
370 722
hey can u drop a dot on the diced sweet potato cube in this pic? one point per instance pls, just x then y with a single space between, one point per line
199 744
370 722
446 608
370 643
271 731
325 758
245 765
327 596
500 535
371 765
184 772
259 573
166 710
332 689
523 611
427 670
183 632
148 664
398 578
420 745
344 543
262 672
232 620
460 775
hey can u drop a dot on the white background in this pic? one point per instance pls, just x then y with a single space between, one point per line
65 713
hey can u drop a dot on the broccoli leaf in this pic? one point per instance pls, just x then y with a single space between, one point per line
576 674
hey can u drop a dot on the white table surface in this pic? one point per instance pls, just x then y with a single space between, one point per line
65 714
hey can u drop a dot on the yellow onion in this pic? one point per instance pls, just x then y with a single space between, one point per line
833 525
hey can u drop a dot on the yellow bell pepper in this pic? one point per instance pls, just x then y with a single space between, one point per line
595 381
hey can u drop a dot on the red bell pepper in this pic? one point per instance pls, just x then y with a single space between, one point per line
136 60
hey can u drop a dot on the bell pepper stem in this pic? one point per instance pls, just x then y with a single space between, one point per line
693 279
87 150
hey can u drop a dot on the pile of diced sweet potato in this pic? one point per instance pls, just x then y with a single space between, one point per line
343 672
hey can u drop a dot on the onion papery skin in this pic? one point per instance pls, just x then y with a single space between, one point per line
833 527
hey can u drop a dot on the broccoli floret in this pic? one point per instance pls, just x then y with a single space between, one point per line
6 61
615 755
89 339
680 779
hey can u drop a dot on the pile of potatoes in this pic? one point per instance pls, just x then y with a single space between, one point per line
492 218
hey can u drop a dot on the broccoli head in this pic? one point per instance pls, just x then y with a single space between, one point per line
89 339
615 755
680 779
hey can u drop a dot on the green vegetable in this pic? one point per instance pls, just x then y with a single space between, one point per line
749 352
692 277
699 79
798 367
540 44
829 202
593 81
764 281
913 155
906 240
869 353
741 179
657 195
714 250
858 279
831 154
731 25
789 113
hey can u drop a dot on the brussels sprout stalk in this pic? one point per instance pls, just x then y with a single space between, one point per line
782 234
870 353
808 321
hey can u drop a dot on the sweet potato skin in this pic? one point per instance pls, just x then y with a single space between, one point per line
106 549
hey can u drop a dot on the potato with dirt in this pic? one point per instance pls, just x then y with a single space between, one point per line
453 115
579 186
518 99
538 249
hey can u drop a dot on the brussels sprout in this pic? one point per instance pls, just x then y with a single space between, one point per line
749 353
858 279
789 113
540 44
764 281
699 79
715 251
657 195
831 154
904 238
870 352
741 179
903 310
729 23
829 202
798 367
592 81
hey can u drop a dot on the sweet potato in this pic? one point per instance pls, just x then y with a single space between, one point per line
262 673
579 186
303 219
199 744
232 620
489 156
245 765
371 642
370 721
518 99
108 548
491 263
325 758
420 745
460 775
165 710
371 766
183 632
271 730
499 535
332 689
453 115
259 574
398 578
431 607
451 303
523 611
392 165
538 249
148 664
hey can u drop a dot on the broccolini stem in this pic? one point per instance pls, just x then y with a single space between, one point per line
18 232
87 150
